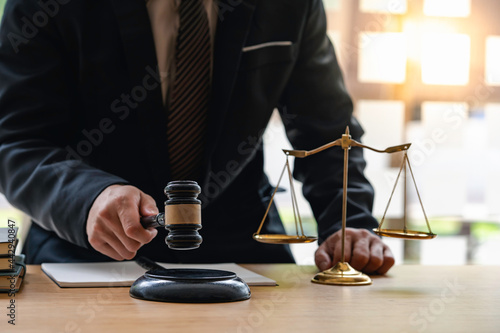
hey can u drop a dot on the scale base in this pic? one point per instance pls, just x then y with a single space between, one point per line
190 285
342 274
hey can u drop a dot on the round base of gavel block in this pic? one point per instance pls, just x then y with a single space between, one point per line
190 285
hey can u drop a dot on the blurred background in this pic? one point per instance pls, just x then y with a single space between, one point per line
425 72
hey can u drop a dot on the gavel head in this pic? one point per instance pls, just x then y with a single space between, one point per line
183 215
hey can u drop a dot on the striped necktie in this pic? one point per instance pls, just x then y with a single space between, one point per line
189 95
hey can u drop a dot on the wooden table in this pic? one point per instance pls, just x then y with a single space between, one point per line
408 299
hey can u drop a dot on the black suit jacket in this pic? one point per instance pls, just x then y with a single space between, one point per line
81 109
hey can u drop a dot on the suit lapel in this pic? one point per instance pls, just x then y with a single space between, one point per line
234 19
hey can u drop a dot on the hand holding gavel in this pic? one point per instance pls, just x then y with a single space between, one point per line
112 227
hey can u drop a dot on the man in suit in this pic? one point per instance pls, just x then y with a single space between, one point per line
85 89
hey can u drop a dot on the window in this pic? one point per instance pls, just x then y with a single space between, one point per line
445 59
447 8
492 68
382 57
383 6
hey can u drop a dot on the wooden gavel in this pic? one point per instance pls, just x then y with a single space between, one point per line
182 217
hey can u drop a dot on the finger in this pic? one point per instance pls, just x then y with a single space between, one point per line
147 205
128 214
388 261
348 247
333 248
376 256
322 258
118 234
112 253
107 225
360 253
106 242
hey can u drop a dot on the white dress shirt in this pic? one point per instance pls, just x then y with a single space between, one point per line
165 23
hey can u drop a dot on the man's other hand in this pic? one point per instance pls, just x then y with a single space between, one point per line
364 251
113 225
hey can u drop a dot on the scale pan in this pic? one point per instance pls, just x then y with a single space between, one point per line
283 239
400 233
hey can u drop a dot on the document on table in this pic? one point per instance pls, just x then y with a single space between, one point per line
124 273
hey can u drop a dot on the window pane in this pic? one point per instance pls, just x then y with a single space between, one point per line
2 5
383 122
444 124
382 57
437 156
491 120
447 8
445 59
383 6
492 68
332 4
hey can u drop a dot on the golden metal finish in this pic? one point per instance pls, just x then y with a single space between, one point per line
342 274
405 234
283 239
345 145
279 238
304 153
338 142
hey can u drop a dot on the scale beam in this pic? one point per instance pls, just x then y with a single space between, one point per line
350 142
305 153
389 150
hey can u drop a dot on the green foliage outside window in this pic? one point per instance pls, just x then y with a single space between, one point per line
2 4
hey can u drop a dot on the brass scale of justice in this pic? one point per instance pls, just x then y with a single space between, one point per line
342 273
182 218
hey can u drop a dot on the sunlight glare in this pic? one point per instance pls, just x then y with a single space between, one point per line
445 59
447 8
382 57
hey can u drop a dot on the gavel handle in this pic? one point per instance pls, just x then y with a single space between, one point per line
147 263
153 221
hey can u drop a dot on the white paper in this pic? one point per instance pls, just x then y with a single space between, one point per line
124 273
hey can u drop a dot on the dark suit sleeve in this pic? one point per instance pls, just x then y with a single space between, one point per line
316 109
39 173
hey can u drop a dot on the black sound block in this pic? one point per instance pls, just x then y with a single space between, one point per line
190 285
